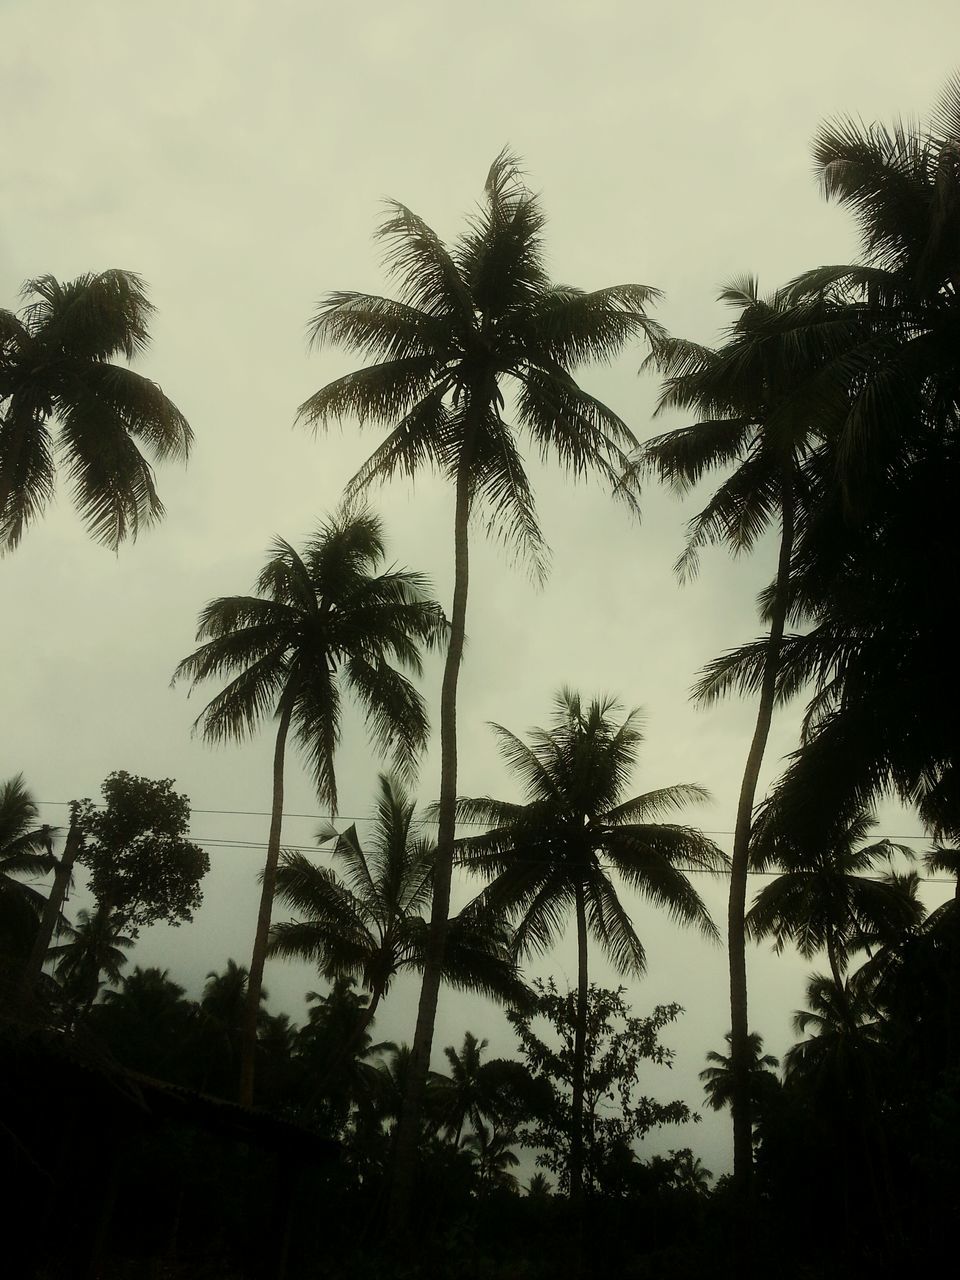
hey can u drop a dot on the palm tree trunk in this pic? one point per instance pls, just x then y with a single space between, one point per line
579 1053
736 934
52 909
408 1127
248 1031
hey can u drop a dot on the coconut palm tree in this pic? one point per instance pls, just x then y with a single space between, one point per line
717 1076
763 404
839 1022
56 366
25 850
826 899
494 1156
364 917
472 324
883 542
902 184
322 624
96 948
556 852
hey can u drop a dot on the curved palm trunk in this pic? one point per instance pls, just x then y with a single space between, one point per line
408 1128
52 909
579 1054
742 1103
248 1030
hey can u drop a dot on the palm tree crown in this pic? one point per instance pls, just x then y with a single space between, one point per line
576 827
827 899
96 949
24 851
56 363
322 623
365 918
468 318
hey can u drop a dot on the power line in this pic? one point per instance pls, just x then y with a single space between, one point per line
348 817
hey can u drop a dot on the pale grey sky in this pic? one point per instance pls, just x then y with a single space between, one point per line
235 154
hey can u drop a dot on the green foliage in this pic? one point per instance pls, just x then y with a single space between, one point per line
615 1115
142 866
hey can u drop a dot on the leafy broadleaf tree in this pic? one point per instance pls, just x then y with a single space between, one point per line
142 865
322 624
56 367
556 852
613 1115
472 324
143 868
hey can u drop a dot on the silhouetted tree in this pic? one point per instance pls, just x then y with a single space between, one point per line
25 850
718 1077
95 947
370 924
470 322
756 397
56 366
827 900
556 852
321 625
613 1116
143 869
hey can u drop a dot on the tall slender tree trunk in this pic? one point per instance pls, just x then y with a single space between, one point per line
52 909
579 1053
248 1031
408 1128
742 1103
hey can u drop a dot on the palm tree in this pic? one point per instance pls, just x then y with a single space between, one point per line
839 1021
96 946
556 852
494 1156
223 1005
471 322
24 851
369 924
827 900
902 185
762 402
149 1026
717 1076
883 543
469 1094
321 625
56 365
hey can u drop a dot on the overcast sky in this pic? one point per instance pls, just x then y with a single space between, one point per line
236 155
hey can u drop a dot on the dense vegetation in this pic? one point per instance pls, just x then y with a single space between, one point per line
830 413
